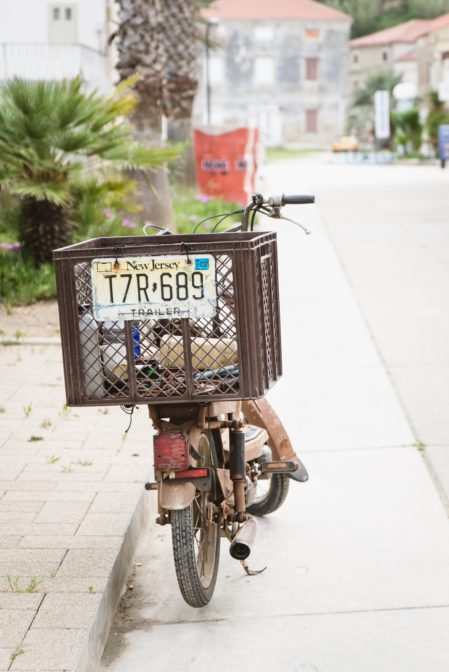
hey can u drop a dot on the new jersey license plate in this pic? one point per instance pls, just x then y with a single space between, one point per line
166 287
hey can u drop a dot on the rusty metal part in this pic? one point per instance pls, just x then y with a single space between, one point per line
174 496
226 484
243 541
163 518
202 414
259 412
251 572
239 499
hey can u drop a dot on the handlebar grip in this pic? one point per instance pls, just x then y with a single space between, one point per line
297 199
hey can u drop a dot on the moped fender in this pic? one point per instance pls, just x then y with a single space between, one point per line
174 496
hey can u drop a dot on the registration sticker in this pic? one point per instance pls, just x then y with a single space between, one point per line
164 287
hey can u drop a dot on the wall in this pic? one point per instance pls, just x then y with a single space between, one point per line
24 21
259 77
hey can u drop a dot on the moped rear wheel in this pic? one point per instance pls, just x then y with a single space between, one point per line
196 538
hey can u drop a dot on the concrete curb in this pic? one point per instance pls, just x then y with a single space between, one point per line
92 652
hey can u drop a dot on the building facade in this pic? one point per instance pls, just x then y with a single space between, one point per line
417 50
53 40
279 66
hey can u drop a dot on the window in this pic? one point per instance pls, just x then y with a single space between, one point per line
312 33
355 58
311 121
264 70
264 33
68 13
385 55
56 13
311 69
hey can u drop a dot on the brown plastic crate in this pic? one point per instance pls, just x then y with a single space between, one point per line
117 364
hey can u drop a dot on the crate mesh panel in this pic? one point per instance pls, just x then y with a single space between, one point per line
234 355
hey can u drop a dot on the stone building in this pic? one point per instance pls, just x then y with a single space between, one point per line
418 50
280 66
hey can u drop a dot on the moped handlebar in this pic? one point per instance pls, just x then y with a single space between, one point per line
296 199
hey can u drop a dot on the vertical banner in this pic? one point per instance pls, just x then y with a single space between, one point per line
443 143
382 114
226 163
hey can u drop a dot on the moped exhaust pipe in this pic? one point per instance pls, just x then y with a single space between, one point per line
244 540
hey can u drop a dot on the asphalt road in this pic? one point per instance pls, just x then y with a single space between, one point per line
357 558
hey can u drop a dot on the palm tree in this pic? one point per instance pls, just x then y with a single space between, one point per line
384 80
142 51
180 20
51 136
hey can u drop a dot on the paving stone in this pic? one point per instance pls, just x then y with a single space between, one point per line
86 562
107 502
48 584
13 625
54 496
15 507
34 486
12 517
37 528
49 650
77 610
77 541
78 475
105 523
126 472
62 512
11 471
5 658
20 600
31 555
10 541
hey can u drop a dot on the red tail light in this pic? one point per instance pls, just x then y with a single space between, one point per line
171 451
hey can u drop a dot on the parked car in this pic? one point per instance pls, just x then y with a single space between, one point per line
347 143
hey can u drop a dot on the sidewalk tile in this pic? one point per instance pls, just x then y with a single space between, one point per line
49 650
62 512
104 523
55 496
14 507
10 541
85 562
108 502
67 611
77 541
20 600
38 529
13 625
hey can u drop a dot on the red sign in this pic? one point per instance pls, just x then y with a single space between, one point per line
226 163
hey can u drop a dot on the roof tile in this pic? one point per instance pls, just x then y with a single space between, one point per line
409 31
274 9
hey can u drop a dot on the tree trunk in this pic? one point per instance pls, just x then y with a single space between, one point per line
180 130
180 17
141 50
153 189
44 227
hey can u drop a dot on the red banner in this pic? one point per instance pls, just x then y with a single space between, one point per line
226 163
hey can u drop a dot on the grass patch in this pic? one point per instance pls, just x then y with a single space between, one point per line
281 153
13 583
421 446
2 409
83 463
27 410
18 651
33 438
52 459
21 283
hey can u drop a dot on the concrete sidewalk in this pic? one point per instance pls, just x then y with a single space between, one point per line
72 510
357 558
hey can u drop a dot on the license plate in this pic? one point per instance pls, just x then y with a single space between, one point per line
166 287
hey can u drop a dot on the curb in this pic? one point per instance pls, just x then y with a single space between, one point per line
92 652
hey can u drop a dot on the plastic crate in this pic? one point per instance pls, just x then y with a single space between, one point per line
235 354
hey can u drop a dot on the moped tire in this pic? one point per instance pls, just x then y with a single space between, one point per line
269 499
195 540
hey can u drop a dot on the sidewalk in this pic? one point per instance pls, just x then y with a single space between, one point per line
71 511
357 558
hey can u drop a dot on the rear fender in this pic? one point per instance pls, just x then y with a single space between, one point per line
174 496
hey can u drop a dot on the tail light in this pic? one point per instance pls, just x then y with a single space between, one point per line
171 451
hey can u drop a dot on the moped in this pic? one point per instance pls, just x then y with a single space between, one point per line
188 325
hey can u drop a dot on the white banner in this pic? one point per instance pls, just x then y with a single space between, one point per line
382 114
